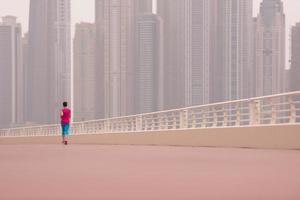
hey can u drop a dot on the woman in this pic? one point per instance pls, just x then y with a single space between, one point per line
65 115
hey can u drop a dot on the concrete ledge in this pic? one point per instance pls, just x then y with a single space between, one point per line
266 137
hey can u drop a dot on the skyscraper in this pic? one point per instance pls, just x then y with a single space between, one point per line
200 27
25 48
149 64
49 59
115 22
84 72
270 48
295 58
172 14
143 6
207 50
11 73
190 28
235 33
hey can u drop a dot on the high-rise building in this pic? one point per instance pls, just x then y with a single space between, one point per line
190 28
149 64
115 29
99 56
49 59
84 103
143 6
270 48
295 58
11 73
207 50
172 14
287 80
25 48
254 57
235 44
200 35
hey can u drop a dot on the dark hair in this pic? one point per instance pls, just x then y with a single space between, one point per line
65 104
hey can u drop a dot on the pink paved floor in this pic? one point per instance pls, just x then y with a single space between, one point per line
74 172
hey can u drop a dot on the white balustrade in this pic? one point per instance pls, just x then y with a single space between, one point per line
268 110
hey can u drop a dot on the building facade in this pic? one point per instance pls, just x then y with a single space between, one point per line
84 103
270 48
172 15
295 59
115 28
25 48
49 58
11 73
149 64
207 50
199 23
235 44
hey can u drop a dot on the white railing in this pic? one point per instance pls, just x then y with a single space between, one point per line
267 110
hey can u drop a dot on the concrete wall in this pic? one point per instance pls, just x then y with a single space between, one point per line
266 137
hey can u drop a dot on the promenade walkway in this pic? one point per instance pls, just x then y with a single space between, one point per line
94 172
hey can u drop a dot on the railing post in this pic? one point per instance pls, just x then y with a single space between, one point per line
81 129
174 121
116 125
215 114
273 110
238 115
57 130
193 115
107 126
153 122
138 123
121 125
225 116
127 125
146 123
75 127
254 107
293 110
203 118
151 125
165 121
183 119
160 122
132 124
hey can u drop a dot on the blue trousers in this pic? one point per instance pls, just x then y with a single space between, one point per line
65 129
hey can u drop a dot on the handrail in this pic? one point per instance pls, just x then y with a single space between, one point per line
267 110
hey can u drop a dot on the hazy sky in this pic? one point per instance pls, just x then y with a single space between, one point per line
83 10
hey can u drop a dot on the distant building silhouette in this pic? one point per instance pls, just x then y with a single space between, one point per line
199 32
49 59
295 58
235 20
11 73
270 48
149 64
172 14
85 101
207 50
287 80
115 28
25 49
